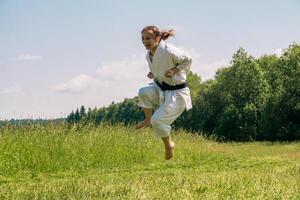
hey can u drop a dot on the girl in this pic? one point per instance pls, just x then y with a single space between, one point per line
169 67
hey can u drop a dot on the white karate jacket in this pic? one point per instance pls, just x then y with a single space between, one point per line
166 57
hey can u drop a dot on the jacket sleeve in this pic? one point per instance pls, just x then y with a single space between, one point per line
181 59
148 62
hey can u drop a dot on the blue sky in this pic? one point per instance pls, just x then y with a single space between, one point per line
57 55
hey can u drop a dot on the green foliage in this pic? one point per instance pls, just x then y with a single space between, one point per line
186 120
82 113
243 93
253 99
281 118
125 112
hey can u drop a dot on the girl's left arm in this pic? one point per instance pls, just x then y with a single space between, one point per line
181 60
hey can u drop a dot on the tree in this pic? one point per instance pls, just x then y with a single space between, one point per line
71 117
244 92
76 116
82 113
281 117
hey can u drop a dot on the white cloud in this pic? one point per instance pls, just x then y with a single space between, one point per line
28 57
12 91
114 74
123 71
208 70
76 84
111 81
204 69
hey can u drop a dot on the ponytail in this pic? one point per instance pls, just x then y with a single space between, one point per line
166 34
162 34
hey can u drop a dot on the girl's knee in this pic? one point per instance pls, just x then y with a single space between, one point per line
141 92
160 128
144 92
156 121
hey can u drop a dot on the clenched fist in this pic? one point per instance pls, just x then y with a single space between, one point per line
150 75
171 72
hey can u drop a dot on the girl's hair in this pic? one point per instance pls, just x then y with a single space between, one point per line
157 33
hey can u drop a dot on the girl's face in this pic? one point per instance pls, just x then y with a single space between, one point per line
149 40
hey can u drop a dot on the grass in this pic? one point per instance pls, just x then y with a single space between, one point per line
55 161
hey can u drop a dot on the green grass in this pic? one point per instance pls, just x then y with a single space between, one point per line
116 162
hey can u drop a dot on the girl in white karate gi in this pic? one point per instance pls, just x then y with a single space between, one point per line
169 67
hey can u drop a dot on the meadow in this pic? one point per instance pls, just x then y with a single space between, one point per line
58 161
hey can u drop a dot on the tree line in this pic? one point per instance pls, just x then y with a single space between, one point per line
251 99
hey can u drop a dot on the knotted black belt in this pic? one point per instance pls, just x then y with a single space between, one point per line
164 86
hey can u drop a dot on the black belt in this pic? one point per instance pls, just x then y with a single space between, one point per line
164 86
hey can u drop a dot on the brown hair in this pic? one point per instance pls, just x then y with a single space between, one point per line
157 33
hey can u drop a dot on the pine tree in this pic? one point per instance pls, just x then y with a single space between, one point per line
71 117
82 113
77 116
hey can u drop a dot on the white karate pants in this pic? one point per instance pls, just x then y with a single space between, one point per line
163 117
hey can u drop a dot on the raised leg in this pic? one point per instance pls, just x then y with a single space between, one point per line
147 120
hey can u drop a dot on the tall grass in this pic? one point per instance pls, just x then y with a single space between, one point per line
58 148
58 161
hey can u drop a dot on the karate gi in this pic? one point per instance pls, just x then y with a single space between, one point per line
171 102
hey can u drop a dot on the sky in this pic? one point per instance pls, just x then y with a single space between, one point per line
58 55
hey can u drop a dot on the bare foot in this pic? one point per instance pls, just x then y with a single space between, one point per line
170 151
143 124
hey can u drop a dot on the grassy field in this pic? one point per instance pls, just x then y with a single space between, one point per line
116 162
